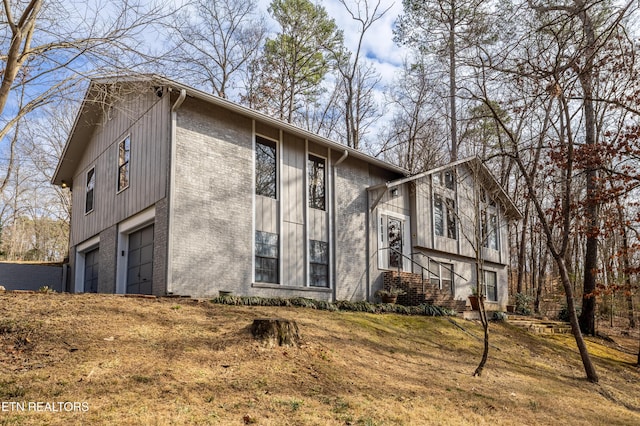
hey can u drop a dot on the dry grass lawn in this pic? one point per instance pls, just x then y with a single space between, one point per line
175 362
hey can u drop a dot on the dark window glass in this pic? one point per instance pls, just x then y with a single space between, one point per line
489 225
319 263
317 179
438 215
91 183
449 179
266 168
124 155
266 257
451 219
491 283
394 232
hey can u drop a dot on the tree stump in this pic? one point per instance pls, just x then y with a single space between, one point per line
275 331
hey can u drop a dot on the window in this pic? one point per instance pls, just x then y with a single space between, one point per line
489 230
451 219
444 210
449 179
491 284
317 179
91 183
438 215
319 263
441 275
124 155
266 168
266 257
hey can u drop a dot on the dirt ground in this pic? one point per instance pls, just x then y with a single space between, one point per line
106 359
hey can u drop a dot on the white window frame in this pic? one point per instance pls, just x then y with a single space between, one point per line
383 243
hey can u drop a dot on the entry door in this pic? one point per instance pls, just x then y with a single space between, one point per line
91 271
394 242
140 262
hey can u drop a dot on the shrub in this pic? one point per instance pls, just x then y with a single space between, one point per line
522 303
339 305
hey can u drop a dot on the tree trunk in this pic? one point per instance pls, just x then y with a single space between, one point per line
588 314
452 87
276 332
590 370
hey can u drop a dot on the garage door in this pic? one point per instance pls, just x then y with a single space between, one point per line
140 262
91 271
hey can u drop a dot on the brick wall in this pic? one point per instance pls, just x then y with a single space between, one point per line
211 209
419 291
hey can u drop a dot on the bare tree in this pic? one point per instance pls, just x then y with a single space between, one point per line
215 41
414 139
358 80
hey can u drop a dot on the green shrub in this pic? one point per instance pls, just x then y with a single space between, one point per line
339 305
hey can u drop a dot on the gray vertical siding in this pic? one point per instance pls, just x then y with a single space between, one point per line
144 117
293 208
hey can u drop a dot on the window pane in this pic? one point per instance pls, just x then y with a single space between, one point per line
394 232
449 180
317 175
490 280
266 167
318 263
266 257
124 154
319 275
434 273
493 232
451 219
438 216
319 252
91 182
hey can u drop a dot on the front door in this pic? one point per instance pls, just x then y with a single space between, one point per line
394 241
91 271
140 262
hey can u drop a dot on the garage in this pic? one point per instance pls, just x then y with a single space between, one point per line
140 262
91 271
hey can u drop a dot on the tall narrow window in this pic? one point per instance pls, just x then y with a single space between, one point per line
124 155
317 179
449 179
491 284
452 231
266 168
438 215
91 183
319 263
266 257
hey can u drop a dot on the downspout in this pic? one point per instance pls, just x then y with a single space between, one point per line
345 154
172 177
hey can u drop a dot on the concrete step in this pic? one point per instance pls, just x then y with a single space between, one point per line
542 326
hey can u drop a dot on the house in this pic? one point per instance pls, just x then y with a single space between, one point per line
178 192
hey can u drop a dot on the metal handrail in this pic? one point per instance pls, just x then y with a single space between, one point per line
422 268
